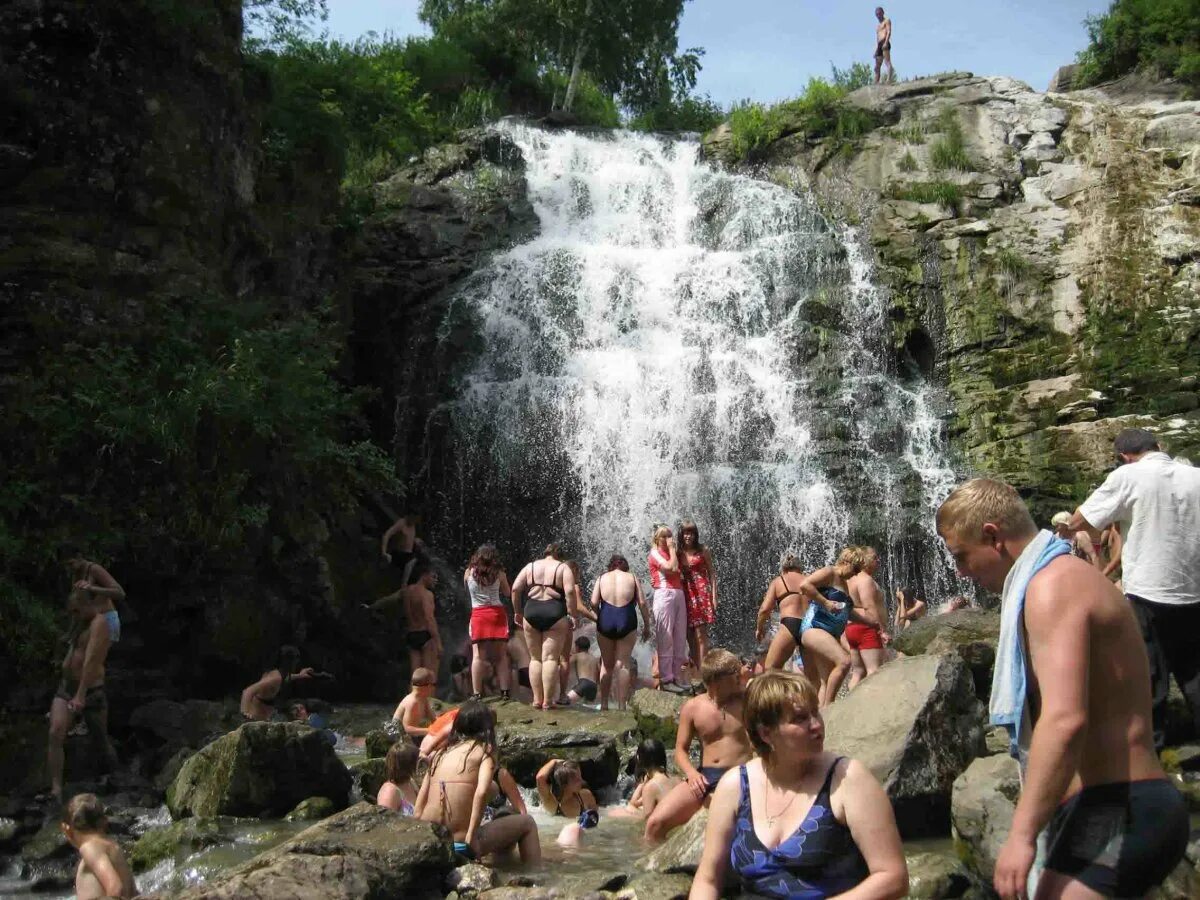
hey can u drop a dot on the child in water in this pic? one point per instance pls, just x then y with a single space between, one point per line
653 782
103 871
563 792
414 713
398 791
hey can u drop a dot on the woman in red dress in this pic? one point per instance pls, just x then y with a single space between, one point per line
700 587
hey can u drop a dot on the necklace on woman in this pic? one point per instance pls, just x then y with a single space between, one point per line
772 819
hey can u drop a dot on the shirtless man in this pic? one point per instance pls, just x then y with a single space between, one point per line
883 45
423 638
414 712
1115 825
81 691
406 550
715 718
865 636
274 688
587 672
93 579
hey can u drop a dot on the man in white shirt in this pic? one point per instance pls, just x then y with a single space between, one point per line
1158 502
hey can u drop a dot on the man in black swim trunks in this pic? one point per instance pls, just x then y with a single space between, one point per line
587 672
1114 824
883 45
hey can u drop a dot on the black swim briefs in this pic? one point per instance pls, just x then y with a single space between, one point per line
1120 839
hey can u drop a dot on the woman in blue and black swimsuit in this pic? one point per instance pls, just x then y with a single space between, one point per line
798 823
617 597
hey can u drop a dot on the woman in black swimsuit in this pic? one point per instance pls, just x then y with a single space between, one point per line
542 615
616 599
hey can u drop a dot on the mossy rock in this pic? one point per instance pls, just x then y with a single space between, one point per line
369 775
934 876
47 843
311 810
970 633
528 738
174 841
657 714
262 769
379 742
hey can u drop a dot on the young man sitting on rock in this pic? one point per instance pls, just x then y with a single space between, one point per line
715 719
1072 686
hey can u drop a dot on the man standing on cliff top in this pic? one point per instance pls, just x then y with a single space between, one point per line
883 45
1072 686
1159 498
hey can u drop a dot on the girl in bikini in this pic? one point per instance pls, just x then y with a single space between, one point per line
398 792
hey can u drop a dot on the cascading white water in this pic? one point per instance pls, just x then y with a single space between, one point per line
681 342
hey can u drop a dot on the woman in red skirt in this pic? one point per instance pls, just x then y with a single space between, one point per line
485 581
700 587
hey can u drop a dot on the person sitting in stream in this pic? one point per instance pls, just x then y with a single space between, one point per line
715 719
455 791
398 791
653 782
542 615
274 690
563 792
103 870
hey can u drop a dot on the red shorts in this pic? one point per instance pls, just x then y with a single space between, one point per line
863 637
488 623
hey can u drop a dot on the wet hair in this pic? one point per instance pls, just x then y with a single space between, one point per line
287 659
617 561
421 677
791 563
771 700
401 761
981 501
554 550
582 643
475 722
85 812
1135 441
485 564
688 525
719 662
662 532
847 563
296 707
458 663
651 756
563 773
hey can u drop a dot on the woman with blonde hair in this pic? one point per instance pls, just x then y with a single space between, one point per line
797 821
550 585
828 592
670 606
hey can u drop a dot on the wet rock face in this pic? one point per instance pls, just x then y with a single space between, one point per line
261 769
657 714
364 852
1043 247
594 740
916 724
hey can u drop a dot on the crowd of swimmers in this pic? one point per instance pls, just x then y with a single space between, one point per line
1081 675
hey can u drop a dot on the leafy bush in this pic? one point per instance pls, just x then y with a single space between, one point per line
689 114
753 127
851 79
949 151
945 193
1161 37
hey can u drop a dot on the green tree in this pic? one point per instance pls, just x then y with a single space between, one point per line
1161 37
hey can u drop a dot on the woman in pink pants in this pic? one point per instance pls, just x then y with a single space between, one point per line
670 606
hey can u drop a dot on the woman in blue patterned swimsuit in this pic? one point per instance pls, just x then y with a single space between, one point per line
798 823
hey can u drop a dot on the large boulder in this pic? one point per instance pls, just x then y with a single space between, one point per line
527 739
363 852
261 769
936 876
657 714
917 724
680 852
985 796
971 633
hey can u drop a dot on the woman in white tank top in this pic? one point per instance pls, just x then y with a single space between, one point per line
485 582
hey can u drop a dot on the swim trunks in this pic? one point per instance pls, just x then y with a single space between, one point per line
93 701
463 849
1119 839
882 46
712 774
586 688
523 676
417 639
488 623
114 625
863 637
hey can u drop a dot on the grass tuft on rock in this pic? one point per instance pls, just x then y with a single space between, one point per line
949 151
945 193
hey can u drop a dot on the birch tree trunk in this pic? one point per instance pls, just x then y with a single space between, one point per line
581 50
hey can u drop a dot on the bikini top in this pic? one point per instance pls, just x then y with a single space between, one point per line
790 593
819 859
547 587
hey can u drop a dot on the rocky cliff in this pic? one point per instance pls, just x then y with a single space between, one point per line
1043 260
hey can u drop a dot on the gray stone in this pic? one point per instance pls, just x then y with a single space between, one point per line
363 852
917 724
471 879
981 811
527 739
369 776
996 740
175 841
656 886
971 633
1179 132
935 876
261 769
657 714
1063 78
680 852
47 843
312 810
378 742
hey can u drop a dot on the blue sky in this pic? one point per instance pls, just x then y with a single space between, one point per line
767 49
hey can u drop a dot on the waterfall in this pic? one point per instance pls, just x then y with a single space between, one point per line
683 342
